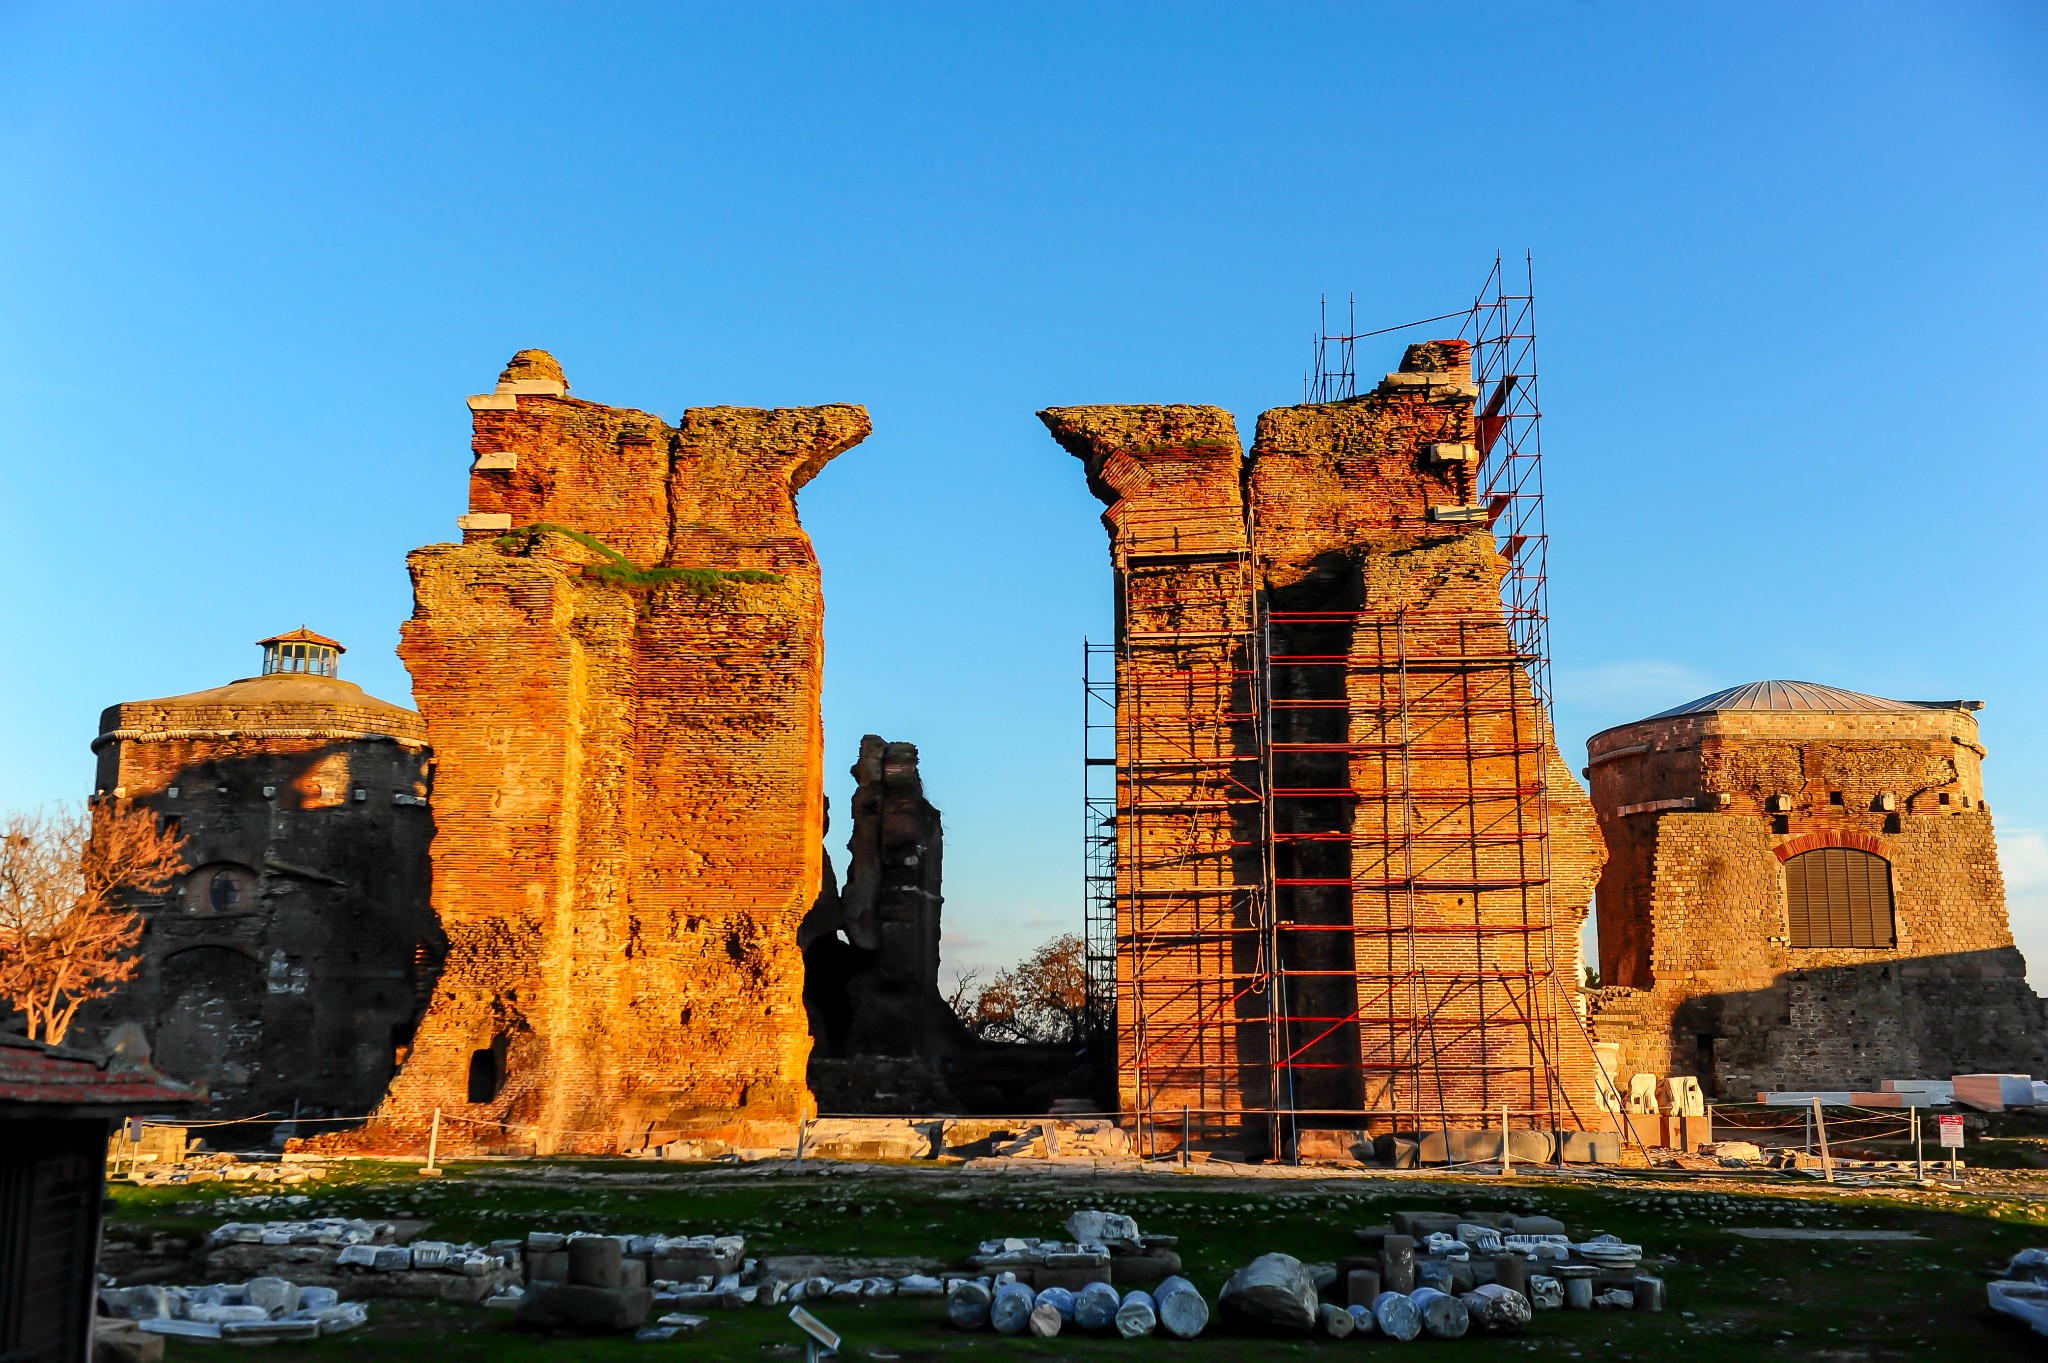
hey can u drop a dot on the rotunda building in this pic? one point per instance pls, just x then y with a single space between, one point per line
289 963
1802 891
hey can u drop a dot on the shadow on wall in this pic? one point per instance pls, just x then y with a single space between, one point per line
1853 1026
292 960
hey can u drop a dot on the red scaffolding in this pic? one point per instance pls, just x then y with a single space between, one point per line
1319 886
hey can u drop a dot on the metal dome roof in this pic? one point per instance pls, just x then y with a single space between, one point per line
1804 697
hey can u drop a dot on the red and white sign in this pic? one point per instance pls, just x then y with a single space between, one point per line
1951 1132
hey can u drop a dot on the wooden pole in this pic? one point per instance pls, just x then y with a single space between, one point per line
1507 1153
1919 1155
1820 1124
434 1143
1186 1157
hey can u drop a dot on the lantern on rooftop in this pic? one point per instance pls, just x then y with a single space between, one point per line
301 651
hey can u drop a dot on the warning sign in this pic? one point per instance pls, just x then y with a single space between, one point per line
1951 1132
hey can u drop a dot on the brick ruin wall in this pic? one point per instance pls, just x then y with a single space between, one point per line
1187 1024
1424 902
1340 496
620 669
885 1040
1694 938
304 988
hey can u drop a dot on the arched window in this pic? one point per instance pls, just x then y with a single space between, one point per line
1839 897
224 892
487 1072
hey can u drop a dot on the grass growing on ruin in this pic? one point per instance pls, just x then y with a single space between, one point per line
1733 1300
623 572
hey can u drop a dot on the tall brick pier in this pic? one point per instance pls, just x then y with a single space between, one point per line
619 668
1351 866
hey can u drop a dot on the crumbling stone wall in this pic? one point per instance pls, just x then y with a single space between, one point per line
871 951
1700 812
620 667
289 964
1335 525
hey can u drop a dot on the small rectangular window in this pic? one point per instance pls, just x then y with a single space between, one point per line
1835 797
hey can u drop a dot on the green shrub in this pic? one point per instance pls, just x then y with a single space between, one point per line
623 572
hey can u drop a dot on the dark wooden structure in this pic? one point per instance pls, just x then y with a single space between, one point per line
57 1109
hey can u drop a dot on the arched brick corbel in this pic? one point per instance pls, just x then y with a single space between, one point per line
1807 842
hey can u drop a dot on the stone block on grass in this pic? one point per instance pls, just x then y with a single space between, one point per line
578 1308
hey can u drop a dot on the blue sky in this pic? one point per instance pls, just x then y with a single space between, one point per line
1790 263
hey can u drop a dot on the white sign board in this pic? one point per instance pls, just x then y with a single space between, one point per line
1951 1132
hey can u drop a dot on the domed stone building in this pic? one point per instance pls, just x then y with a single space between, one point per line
1802 891
291 960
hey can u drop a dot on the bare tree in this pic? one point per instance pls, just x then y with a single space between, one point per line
965 993
65 936
1043 998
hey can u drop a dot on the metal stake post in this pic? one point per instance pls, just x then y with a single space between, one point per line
1507 1152
1919 1155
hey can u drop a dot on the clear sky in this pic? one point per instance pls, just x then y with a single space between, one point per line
1792 262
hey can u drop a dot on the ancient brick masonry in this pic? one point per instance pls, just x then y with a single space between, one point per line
1342 595
620 670
1189 987
1704 808
288 965
1441 857
885 1036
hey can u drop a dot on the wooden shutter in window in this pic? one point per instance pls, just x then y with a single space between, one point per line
1839 897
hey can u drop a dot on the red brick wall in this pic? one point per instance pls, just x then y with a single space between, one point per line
299 993
1476 1006
630 794
1693 911
1340 497
1187 1034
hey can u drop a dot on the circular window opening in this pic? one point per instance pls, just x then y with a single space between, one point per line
220 887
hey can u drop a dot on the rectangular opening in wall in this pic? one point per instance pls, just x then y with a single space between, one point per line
1839 897
487 1072
1834 797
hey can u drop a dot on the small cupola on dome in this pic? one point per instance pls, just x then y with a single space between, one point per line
301 651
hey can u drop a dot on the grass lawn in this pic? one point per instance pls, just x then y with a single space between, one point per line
1731 1298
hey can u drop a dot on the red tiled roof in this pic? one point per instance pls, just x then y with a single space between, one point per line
38 1073
302 635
